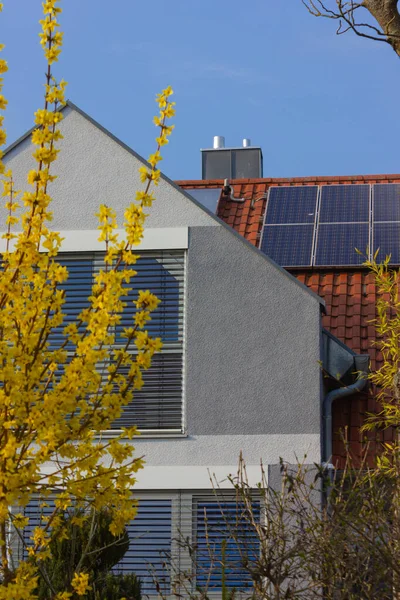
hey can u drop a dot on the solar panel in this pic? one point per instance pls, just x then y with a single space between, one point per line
292 204
336 244
387 239
387 202
207 197
344 203
288 245
343 223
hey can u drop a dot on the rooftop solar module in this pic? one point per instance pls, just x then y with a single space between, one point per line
386 202
207 197
344 204
387 240
336 244
288 245
292 205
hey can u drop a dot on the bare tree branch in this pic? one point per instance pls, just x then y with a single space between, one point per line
385 18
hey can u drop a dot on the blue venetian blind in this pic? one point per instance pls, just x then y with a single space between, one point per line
158 406
150 545
215 523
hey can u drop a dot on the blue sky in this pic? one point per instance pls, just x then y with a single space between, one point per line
316 103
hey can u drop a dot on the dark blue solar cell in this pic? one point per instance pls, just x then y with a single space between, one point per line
344 204
387 202
336 244
288 245
387 239
292 204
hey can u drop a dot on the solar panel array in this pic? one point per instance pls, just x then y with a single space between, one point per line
325 225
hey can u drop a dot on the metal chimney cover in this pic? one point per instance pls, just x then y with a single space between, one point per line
218 142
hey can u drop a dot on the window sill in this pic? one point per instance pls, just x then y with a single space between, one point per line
147 434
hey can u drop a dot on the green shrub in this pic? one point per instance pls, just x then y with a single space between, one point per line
94 550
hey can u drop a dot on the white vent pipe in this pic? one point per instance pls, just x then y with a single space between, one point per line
219 141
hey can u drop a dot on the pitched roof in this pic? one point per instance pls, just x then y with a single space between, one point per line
247 217
349 292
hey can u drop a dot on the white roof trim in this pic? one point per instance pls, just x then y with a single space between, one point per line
86 240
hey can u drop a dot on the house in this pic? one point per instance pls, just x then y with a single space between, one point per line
243 341
311 226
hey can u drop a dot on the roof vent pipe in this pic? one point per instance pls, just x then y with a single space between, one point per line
219 142
246 143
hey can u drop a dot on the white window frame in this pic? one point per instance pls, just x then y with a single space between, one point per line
82 242
183 525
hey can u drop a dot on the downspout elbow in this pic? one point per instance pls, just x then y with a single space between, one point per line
361 364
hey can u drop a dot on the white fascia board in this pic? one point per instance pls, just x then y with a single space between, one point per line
165 479
193 477
86 240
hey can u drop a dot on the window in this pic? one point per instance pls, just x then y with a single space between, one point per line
218 528
150 535
225 541
158 407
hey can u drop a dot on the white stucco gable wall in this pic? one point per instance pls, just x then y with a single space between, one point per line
95 169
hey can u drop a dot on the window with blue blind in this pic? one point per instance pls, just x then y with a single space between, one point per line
38 513
158 406
78 288
150 537
218 528
226 542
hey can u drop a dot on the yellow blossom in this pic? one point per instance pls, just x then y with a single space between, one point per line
80 583
55 400
147 300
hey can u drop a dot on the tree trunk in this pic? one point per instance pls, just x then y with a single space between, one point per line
387 14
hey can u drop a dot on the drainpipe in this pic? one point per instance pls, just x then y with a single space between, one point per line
361 364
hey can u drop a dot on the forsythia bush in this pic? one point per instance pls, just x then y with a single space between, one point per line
53 403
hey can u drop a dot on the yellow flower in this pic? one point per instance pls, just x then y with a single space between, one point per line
80 583
162 140
141 319
144 174
52 55
144 198
32 177
143 359
154 159
20 521
147 300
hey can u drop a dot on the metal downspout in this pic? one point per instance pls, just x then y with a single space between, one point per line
361 364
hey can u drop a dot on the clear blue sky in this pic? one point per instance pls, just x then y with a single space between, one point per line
265 69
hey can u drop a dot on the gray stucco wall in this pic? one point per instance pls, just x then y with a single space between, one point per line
253 380
92 170
253 345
